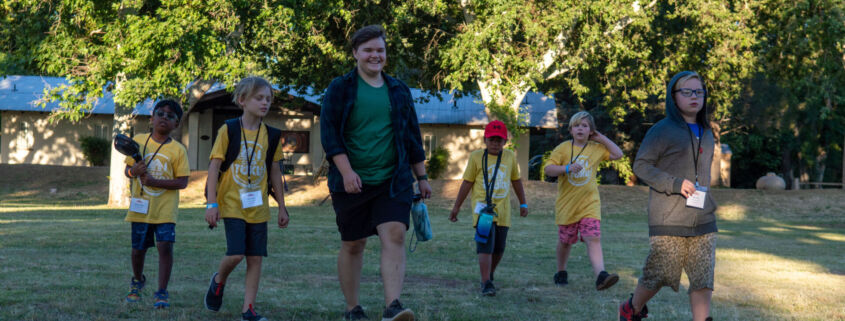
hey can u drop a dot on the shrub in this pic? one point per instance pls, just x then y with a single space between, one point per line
95 149
438 162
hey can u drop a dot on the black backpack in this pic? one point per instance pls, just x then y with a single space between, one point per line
233 129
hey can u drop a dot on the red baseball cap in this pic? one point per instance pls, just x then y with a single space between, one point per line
496 128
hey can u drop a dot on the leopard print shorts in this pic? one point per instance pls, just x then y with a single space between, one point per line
696 255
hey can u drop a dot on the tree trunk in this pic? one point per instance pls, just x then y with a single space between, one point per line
118 183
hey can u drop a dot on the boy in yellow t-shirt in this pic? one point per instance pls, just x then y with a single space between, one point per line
155 184
500 166
241 196
578 208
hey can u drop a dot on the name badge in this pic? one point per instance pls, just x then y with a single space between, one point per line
251 198
139 205
697 199
478 207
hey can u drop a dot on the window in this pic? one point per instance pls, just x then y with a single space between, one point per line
429 144
25 136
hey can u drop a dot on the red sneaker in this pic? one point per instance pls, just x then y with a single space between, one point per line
626 311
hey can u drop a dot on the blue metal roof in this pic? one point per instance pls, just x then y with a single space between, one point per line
23 93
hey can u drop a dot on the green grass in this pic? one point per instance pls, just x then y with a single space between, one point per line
69 262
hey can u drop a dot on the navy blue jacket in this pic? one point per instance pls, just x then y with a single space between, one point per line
337 104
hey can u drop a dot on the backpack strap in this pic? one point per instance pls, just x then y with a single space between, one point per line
233 130
274 135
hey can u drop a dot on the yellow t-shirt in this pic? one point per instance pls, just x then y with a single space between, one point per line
235 178
170 162
508 171
578 193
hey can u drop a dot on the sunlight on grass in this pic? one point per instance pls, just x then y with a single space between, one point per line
774 229
774 283
809 241
831 236
802 227
732 212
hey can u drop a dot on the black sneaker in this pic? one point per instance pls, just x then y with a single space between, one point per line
605 280
488 289
357 313
250 315
561 278
214 296
395 312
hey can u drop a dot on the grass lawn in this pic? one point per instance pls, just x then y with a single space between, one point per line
780 256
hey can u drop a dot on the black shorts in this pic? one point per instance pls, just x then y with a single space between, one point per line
244 238
358 215
495 243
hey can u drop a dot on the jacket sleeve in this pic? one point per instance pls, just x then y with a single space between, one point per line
413 141
331 114
645 165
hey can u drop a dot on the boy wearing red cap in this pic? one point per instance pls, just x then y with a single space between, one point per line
487 174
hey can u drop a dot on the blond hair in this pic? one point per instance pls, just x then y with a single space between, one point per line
581 115
691 75
248 86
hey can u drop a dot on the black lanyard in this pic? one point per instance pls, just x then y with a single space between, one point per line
489 187
144 153
572 150
246 148
695 156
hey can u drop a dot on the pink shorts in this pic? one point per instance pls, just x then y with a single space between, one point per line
588 227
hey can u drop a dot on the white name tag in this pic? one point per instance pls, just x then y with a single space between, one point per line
478 207
251 199
697 199
139 205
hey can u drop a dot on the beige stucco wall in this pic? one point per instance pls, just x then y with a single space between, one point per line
48 143
461 140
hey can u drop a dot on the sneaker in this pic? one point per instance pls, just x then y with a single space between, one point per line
161 299
135 288
561 278
214 296
395 312
488 289
357 313
605 280
250 315
626 311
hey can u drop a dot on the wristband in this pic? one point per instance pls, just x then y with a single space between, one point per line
423 177
210 205
567 169
523 205
129 170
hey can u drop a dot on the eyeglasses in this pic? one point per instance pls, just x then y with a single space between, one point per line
167 115
686 92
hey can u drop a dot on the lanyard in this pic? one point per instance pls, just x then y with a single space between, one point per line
572 149
151 158
696 156
246 148
488 187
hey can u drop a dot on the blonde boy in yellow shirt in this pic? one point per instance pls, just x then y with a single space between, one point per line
155 184
500 166
578 208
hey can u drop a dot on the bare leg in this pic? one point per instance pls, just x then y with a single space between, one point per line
562 255
595 254
699 301
350 261
641 296
496 259
138 263
165 263
392 236
253 275
485 261
226 266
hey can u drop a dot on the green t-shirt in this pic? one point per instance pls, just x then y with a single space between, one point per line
369 135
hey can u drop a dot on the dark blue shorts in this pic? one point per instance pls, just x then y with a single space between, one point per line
358 215
244 238
495 243
145 235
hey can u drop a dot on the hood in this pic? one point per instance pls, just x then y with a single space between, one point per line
672 111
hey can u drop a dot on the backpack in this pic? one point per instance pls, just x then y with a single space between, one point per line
233 131
422 226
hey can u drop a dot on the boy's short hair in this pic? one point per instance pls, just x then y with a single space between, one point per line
691 75
581 115
170 103
248 86
366 34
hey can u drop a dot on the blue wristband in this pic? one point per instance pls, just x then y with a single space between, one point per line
567 169
210 205
523 205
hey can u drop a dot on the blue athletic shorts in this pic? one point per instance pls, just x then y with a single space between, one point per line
145 235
